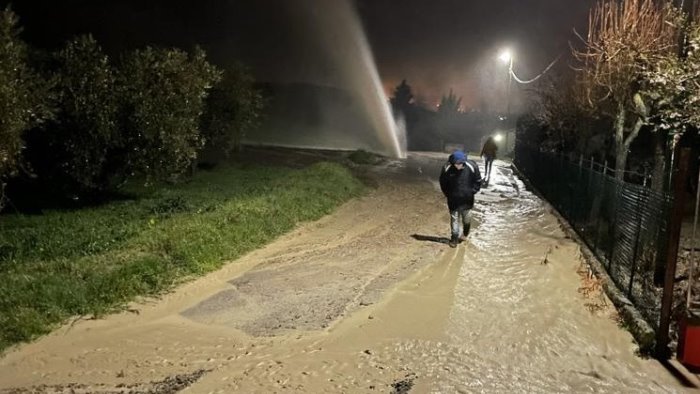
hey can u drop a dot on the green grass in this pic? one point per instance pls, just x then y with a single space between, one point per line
93 261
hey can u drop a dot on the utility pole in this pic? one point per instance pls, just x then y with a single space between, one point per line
671 258
510 82
679 161
508 120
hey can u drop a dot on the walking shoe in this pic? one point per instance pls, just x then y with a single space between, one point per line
453 243
462 238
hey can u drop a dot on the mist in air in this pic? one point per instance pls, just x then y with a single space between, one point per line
330 96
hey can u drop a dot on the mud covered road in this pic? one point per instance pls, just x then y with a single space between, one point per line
368 299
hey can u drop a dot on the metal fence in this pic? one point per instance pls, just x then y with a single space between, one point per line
624 224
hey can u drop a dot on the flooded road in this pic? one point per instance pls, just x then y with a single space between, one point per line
353 303
518 320
502 313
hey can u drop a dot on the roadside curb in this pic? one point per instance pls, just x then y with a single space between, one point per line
640 329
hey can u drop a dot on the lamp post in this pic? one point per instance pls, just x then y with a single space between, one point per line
507 58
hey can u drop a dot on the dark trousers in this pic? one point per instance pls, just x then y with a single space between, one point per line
455 215
488 163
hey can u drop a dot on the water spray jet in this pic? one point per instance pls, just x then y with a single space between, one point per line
351 110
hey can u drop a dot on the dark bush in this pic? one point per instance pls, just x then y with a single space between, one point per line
23 96
163 93
234 107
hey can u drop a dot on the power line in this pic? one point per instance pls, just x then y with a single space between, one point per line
522 81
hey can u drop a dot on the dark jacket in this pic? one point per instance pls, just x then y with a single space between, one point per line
489 149
460 186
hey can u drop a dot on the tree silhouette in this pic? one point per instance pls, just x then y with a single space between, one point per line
450 104
402 101
448 117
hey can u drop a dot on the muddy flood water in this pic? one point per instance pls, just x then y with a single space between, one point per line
369 299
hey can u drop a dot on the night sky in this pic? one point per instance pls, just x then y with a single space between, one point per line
435 44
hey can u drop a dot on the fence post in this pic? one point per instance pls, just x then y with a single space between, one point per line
646 175
635 251
582 190
590 174
674 234
610 224
594 215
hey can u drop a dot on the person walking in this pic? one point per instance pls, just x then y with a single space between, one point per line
488 153
460 180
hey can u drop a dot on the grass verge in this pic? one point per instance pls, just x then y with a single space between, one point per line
93 261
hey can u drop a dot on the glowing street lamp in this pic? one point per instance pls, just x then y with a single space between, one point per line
498 137
506 57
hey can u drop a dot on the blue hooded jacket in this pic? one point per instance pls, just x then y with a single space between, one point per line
460 186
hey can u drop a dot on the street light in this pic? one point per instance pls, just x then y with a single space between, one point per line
498 137
506 57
